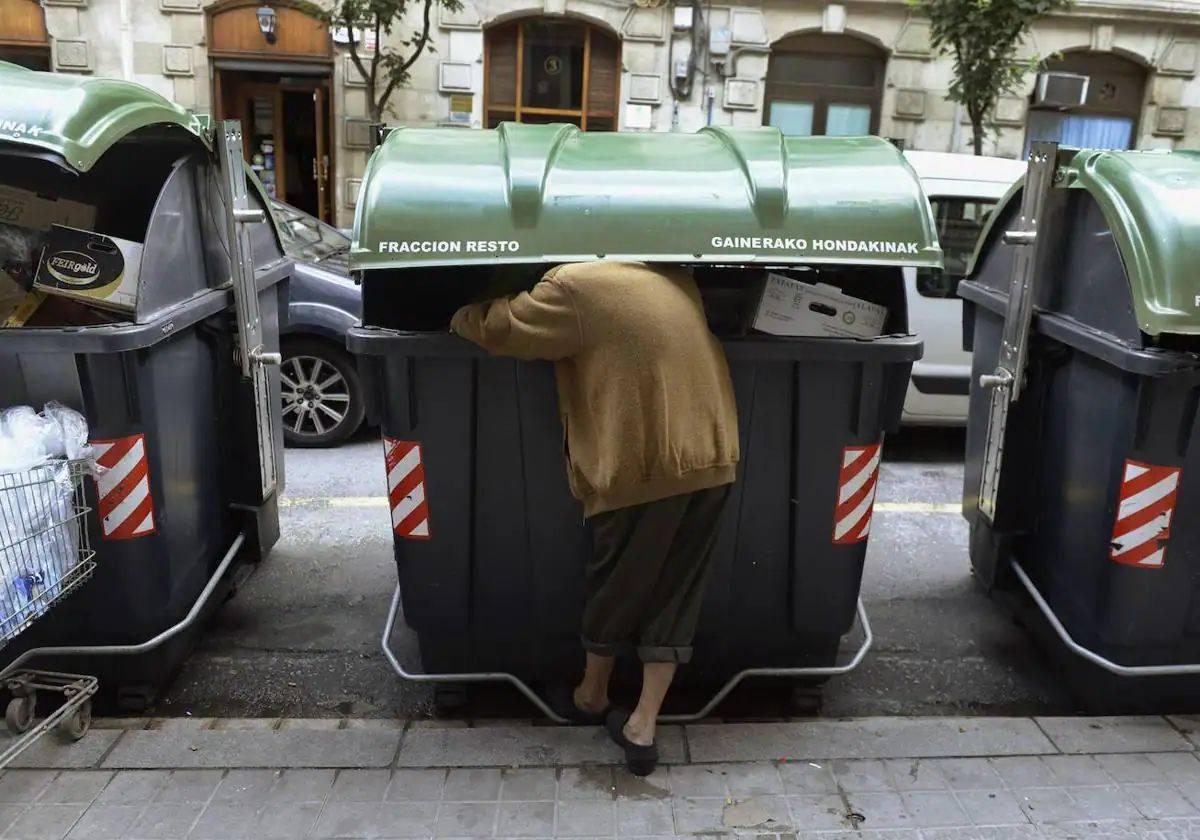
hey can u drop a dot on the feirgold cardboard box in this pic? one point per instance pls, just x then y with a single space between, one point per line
90 267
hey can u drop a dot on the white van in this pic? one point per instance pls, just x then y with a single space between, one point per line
962 191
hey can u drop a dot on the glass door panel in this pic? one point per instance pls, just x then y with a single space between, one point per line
845 119
793 118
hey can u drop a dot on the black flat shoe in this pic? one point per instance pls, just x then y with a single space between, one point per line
561 698
640 760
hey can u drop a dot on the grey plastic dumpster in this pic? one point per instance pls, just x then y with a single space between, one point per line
181 410
489 544
1083 469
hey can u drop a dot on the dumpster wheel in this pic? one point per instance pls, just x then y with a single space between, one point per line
19 714
76 725
807 699
449 699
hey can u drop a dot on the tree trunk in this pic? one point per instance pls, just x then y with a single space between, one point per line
375 112
977 135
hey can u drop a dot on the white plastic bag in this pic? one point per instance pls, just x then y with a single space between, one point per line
38 544
18 454
28 438
37 437
71 430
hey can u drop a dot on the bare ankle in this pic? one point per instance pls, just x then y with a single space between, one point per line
590 701
639 731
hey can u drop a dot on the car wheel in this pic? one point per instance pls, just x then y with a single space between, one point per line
322 394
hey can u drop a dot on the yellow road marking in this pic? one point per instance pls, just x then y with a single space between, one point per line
382 502
336 501
919 507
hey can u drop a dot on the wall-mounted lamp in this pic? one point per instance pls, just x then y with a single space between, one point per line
267 22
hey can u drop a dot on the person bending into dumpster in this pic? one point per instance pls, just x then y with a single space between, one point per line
651 442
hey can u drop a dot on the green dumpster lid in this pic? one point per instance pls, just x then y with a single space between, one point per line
551 193
1151 201
80 118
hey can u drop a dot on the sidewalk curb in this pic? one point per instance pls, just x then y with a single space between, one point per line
150 743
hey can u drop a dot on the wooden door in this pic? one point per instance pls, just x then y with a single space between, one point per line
23 38
23 24
259 106
321 162
294 116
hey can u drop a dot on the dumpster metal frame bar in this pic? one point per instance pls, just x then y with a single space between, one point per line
1030 236
704 711
1089 654
252 356
151 643
805 671
10 671
123 336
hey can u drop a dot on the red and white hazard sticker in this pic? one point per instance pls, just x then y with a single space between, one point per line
856 494
406 488
125 505
1143 524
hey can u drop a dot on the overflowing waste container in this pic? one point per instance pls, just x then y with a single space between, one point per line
797 247
142 279
1083 462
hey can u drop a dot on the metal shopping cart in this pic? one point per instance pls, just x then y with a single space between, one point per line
45 555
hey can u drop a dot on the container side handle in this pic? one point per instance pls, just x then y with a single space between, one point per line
531 695
1091 655
480 676
129 650
791 673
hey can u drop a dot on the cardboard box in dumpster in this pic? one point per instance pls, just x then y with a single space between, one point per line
794 308
21 214
11 297
28 209
90 267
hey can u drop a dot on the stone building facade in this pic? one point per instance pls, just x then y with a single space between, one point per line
808 66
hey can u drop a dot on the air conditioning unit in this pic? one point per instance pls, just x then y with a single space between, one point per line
1061 90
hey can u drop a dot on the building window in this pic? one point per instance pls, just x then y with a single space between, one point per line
540 70
825 84
1109 117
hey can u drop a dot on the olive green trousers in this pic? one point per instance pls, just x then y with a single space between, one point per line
645 581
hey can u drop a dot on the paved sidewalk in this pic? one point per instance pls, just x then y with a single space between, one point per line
881 778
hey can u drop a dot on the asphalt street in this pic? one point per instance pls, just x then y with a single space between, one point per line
301 637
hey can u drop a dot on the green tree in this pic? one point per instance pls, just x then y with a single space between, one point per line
982 36
388 67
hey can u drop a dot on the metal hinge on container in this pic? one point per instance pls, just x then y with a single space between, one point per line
1032 238
252 355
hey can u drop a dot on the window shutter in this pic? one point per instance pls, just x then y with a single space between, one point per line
602 77
502 66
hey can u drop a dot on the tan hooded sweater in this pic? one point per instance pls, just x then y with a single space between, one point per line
644 392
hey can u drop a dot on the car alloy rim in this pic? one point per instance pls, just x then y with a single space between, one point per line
316 397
